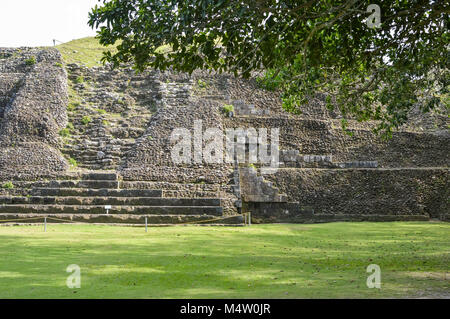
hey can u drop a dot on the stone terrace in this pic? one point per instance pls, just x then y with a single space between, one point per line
110 143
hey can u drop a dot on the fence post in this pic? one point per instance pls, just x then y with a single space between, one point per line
45 224
145 223
249 218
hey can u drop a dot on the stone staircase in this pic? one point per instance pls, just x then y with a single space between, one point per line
104 141
84 198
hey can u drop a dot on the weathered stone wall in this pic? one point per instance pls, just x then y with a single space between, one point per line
327 175
420 191
30 161
318 137
151 159
37 109
33 89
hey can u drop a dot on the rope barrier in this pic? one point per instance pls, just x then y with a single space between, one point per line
72 221
18 219
64 220
210 220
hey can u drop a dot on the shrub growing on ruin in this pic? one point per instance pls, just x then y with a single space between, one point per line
8 185
30 61
86 120
65 132
227 109
202 83
73 162
79 79
72 106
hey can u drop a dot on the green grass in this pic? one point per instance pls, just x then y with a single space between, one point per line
262 261
86 51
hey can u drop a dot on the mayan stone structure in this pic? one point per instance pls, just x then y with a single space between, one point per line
74 139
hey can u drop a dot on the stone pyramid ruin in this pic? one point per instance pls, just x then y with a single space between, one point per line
74 140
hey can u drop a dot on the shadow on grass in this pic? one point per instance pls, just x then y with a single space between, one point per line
264 262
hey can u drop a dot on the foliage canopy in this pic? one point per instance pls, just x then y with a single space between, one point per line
305 47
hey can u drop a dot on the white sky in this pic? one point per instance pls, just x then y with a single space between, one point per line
38 22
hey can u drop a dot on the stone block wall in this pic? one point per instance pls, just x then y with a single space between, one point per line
318 137
33 89
380 192
37 109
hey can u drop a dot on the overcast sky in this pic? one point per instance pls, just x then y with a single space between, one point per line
38 22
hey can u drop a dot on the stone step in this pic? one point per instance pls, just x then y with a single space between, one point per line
188 194
131 219
87 192
101 162
100 209
98 166
118 201
168 186
100 176
95 184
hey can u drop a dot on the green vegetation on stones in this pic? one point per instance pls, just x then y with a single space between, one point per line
31 61
86 120
73 162
79 79
202 84
227 109
65 132
8 185
72 106
59 65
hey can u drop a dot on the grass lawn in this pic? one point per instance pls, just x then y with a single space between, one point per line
261 261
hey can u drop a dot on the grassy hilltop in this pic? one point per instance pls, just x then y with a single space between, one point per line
87 51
